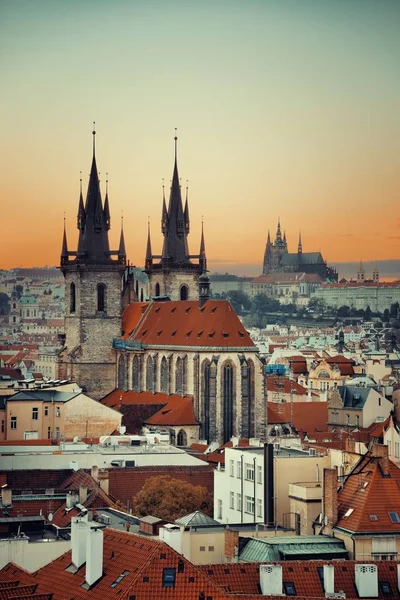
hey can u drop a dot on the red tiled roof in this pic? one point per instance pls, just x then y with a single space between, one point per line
369 492
131 317
285 385
345 365
186 323
307 416
178 411
377 430
13 373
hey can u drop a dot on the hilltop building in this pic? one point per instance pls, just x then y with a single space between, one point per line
278 259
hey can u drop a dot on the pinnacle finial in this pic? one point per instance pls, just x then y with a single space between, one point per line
80 180
94 138
176 144
107 184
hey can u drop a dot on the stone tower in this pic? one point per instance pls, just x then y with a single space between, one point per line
175 272
93 280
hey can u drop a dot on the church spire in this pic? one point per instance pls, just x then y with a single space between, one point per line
202 254
164 215
64 249
121 249
107 217
175 248
186 211
300 246
278 232
81 210
93 245
149 254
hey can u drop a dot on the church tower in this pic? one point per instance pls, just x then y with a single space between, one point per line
175 272
361 273
93 279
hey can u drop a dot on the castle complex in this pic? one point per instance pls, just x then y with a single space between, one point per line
278 259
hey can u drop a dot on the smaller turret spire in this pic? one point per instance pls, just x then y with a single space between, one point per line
64 249
278 231
300 246
149 254
81 209
106 211
186 211
164 215
121 250
203 258
268 238
94 139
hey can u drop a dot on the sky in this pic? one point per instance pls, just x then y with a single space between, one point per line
284 108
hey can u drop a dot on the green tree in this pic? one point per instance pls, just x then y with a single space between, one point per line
386 315
394 309
168 498
4 304
262 305
240 301
343 311
317 305
254 320
368 313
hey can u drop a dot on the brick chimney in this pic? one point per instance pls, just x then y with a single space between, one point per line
95 472
103 480
231 544
6 495
381 452
330 504
83 494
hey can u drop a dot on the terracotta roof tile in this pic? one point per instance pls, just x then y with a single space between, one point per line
131 317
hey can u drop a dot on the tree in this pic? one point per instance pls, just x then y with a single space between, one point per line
4 304
343 311
386 315
253 320
368 313
240 301
262 305
317 305
394 309
168 498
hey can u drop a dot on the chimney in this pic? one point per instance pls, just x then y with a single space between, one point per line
330 504
329 579
382 452
6 495
271 580
94 555
72 499
83 494
103 481
79 528
95 472
366 577
231 544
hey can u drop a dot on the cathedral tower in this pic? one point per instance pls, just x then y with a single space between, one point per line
175 272
93 276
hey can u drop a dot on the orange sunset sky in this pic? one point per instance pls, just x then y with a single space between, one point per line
283 107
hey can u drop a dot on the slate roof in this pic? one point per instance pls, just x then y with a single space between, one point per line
353 397
196 519
44 395
305 258
186 323
293 547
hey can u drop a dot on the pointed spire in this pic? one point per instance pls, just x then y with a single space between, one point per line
278 238
164 214
202 254
269 239
300 246
107 216
186 211
94 139
149 254
121 250
81 210
284 238
64 249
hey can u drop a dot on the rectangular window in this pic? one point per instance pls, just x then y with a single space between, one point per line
211 548
239 501
168 578
57 433
249 472
219 509
397 449
394 517
48 432
232 499
13 422
289 588
250 505
58 411
46 411
239 469
2 427
259 508
259 475
35 414
202 548
232 468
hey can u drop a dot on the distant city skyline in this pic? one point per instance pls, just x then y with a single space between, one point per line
283 109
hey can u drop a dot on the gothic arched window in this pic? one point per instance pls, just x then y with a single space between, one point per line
121 373
136 373
227 400
101 297
184 292
181 439
157 289
248 416
150 374
179 376
164 376
206 399
72 298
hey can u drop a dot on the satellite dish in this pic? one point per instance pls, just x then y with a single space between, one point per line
50 517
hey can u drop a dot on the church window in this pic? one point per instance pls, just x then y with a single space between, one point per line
150 374
181 438
14 319
121 373
136 373
179 376
72 298
227 401
157 290
184 292
14 305
101 297
164 376
206 399
248 417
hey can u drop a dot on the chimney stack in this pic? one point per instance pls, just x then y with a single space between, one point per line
83 494
95 472
330 504
6 496
231 544
366 577
79 528
271 580
382 452
329 579
94 555
103 480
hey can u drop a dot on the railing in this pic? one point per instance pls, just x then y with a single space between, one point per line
121 344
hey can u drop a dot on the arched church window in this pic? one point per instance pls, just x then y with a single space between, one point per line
157 289
227 400
101 297
150 374
27 313
181 439
184 292
141 295
206 398
121 373
248 416
136 373
164 375
179 376
72 298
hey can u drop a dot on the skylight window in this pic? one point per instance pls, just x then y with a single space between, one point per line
394 517
373 517
168 578
290 589
348 513
119 579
